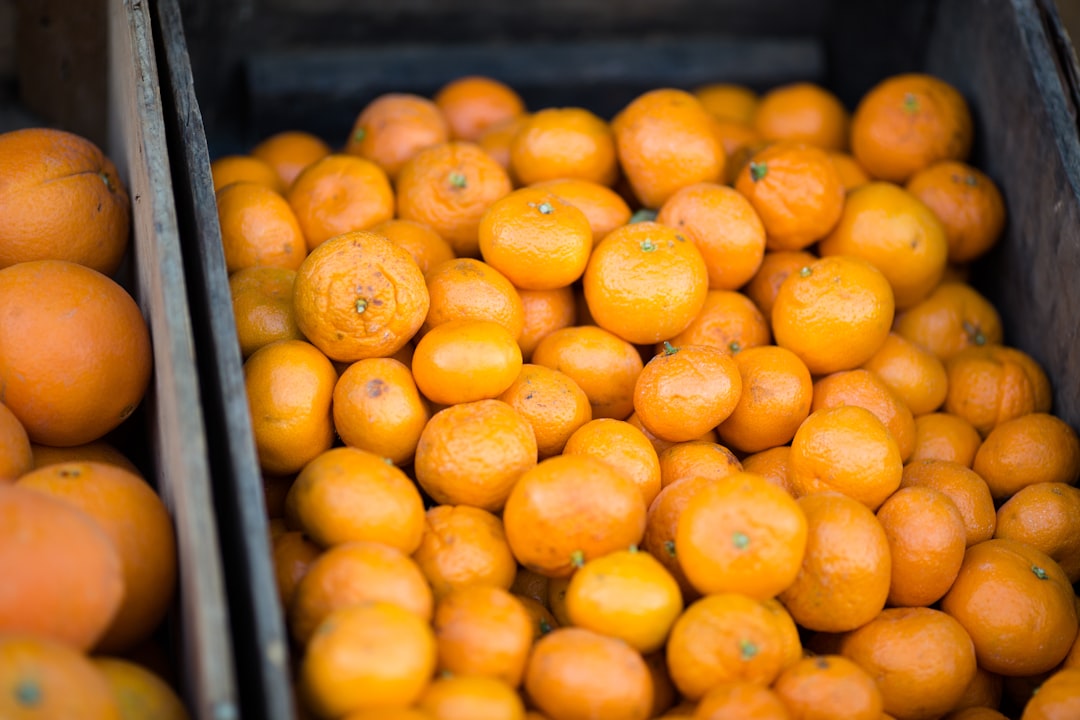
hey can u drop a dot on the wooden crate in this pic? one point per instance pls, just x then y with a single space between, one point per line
166 436
238 75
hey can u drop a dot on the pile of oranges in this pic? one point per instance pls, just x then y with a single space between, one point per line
87 548
691 412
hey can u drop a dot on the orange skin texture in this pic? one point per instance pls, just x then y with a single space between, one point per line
802 112
16 454
696 458
75 351
1047 517
953 317
340 194
915 374
921 659
604 208
139 525
471 289
376 407
817 686
645 282
289 152
393 128
66 576
992 384
258 228
624 447
740 700
968 204
569 509
544 312
449 187
942 436
554 405
771 464
666 140
728 320
262 304
354 573
1031 449
473 104
834 314
97 451
423 243
229 169
292 554
965 488
851 173
796 191
846 569
775 400
662 523
290 386
464 546
483 631
1058 697
984 691
61 199
682 394
908 122
775 267
61 681
474 453
495 140
894 230
1018 606
359 295
542 619
536 239
863 388
138 689
728 101
555 143
471 698
465 360
733 137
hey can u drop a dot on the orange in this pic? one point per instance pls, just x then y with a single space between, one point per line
65 576
483 631
645 282
229 169
290 386
921 659
139 525
471 698
907 122
61 199
664 694
16 455
723 637
570 509
827 686
696 458
740 700
728 320
473 454
659 444
258 228
346 494
915 374
623 447
1057 698
771 464
775 400
464 361
474 103
556 599
98 451
735 138
531 584
604 365
666 140
553 404
394 127
942 436
290 152
992 384
863 388
544 312
292 554
965 488
423 243
1018 606
46 679
355 573
369 656
796 191
951 318
604 208
728 101
845 574
724 227
968 204
927 538
542 619
449 187
846 449
563 142
682 393
984 690
262 305
496 139
741 533
376 407
1045 516
976 713
627 595
471 289
358 296
536 239
1033 448
892 229
832 298
75 353
662 523
340 194
464 546
775 267
802 112
139 692
574 674
851 173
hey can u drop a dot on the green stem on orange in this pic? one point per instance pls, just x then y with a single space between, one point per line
911 103
1039 572
577 558
747 649
669 547
740 539
758 170
545 208
670 349
805 271
359 135
361 306
647 245
28 694
457 179
734 347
